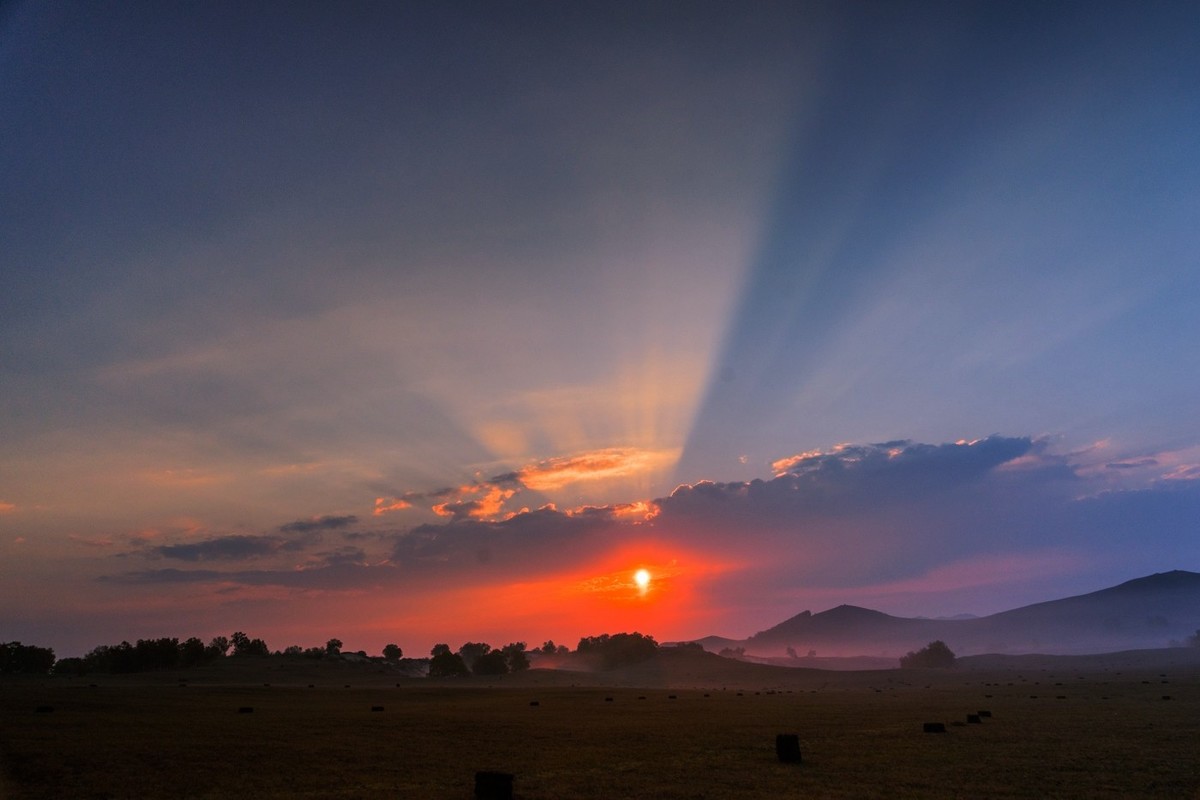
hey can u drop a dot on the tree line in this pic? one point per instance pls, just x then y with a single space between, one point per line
472 658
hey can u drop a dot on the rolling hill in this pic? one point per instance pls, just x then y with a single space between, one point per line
1149 612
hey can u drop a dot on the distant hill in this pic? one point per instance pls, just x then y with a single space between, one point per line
1149 612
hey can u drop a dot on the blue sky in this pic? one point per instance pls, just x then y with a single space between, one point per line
305 304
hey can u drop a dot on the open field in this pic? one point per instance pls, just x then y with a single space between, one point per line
1070 732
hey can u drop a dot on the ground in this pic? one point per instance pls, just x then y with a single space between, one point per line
1074 728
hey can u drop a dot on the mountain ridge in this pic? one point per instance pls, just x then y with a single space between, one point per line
1147 612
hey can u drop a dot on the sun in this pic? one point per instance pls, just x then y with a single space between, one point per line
642 579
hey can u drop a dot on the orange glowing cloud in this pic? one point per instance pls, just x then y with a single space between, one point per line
783 465
636 512
7 508
386 505
475 501
616 462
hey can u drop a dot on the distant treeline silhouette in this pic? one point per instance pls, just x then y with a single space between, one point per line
472 658
18 659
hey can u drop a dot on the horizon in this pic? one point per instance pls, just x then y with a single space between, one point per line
441 323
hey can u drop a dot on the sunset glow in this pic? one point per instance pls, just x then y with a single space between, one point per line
439 322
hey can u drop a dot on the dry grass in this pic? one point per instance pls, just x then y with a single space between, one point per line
860 734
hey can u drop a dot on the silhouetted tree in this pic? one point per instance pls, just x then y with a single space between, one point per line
392 652
70 666
25 659
219 646
492 662
439 649
243 645
514 653
934 654
445 664
333 647
192 652
617 650
470 651
155 654
732 652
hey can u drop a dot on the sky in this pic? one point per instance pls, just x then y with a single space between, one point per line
435 321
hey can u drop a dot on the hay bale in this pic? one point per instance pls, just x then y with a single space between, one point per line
1166 697
45 709
608 699
246 710
974 719
493 785
934 727
671 697
377 708
534 703
787 748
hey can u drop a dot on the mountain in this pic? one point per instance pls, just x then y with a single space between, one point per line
1147 612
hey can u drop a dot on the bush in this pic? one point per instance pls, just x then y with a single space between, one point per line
935 654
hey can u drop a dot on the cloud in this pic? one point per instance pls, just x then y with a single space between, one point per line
555 473
326 523
1138 464
1183 472
936 464
386 505
98 542
488 499
523 540
230 548
478 501
184 478
850 479
7 508
346 554
885 520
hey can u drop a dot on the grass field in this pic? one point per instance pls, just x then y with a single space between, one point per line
1051 734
